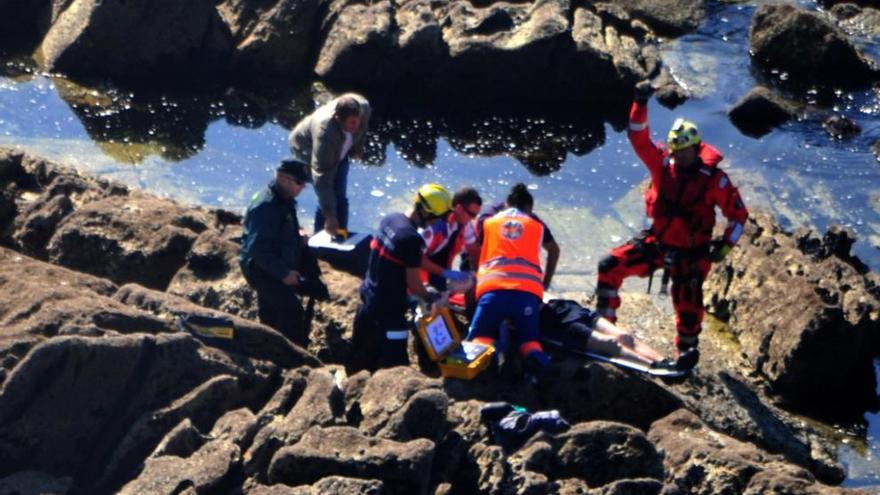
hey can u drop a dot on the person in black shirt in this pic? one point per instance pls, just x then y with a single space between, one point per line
273 252
380 327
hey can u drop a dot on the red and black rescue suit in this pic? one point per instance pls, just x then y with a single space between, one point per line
681 203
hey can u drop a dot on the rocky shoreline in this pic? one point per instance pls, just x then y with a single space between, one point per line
101 392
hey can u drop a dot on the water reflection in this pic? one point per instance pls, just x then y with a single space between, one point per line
130 126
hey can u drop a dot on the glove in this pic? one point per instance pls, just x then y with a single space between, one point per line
643 91
456 276
718 250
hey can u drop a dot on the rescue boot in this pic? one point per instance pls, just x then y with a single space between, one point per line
687 359
535 367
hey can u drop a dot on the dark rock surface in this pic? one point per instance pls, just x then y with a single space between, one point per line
149 409
185 40
272 38
841 127
799 316
667 17
796 41
700 461
759 110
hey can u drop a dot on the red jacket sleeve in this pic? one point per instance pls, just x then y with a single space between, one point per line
724 194
640 137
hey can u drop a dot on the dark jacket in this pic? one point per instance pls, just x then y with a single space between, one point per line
271 241
317 140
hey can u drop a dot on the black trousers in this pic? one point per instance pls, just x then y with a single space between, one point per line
279 307
378 341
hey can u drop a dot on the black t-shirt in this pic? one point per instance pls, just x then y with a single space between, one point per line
397 246
490 211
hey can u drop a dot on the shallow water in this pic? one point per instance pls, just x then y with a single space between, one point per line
217 149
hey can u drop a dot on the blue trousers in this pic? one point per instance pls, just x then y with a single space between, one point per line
340 187
521 308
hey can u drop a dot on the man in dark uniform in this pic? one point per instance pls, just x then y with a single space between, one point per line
274 254
381 330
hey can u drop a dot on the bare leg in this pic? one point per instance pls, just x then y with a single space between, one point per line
627 343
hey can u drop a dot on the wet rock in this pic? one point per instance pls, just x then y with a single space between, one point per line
271 38
319 404
179 41
700 461
669 92
8 212
136 238
600 452
667 17
876 149
760 110
857 20
250 338
841 127
808 48
23 23
33 482
104 385
403 467
358 41
822 314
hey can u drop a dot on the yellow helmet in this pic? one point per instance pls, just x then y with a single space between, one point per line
435 199
684 133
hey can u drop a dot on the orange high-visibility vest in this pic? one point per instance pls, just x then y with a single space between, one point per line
510 257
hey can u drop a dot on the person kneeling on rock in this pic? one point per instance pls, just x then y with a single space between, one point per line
274 256
381 329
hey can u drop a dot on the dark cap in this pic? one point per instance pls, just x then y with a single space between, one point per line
296 169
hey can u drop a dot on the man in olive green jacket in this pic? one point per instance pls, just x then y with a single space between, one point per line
325 140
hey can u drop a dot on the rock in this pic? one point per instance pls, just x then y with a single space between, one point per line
358 42
669 92
179 40
666 16
759 110
34 482
23 23
37 223
207 470
271 38
822 314
320 404
331 485
391 391
600 452
204 405
104 385
638 486
876 149
700 461
827 57
403 467
211 276
136 238
841 127
181 441
856 20
74 303
250 339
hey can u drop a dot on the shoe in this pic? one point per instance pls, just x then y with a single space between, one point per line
664 364
687 359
